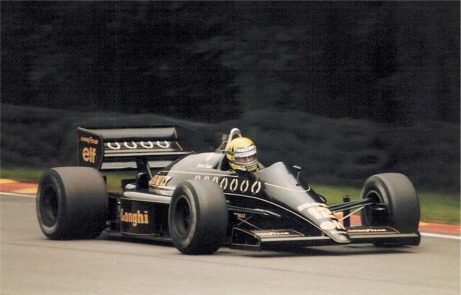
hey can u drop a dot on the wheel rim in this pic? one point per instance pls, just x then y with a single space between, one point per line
182 217
49 206
371 215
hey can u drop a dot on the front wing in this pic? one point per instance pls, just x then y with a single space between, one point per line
281 238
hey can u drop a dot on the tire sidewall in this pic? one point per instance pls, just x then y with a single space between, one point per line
50 180
398 194
81 211
209 217
185 192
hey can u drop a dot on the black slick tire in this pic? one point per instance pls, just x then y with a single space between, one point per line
72 203
198 217
401 208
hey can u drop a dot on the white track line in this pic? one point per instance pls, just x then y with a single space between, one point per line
441 236
16 195
452 237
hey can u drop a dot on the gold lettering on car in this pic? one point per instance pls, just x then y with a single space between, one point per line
89 140
159 180
240 215
89 154
134 218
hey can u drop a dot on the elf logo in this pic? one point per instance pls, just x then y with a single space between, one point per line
89 154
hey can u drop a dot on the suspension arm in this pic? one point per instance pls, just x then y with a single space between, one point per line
350 205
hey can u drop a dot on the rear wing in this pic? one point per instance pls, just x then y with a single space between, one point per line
124 148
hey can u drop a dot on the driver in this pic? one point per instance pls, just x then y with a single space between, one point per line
241 154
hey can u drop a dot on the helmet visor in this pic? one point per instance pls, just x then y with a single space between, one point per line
245 160
245 157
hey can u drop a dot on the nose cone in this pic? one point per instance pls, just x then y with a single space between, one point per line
325 220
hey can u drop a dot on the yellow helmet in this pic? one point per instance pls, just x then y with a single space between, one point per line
242 154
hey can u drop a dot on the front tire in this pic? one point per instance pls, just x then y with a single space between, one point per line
401 204
72 203
198 217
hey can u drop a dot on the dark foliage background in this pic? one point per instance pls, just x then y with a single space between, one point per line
394 62
386 73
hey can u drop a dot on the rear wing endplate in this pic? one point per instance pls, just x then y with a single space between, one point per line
122 148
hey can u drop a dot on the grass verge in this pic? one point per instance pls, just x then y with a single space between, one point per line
435 207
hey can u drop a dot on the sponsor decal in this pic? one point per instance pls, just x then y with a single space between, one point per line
144 144
224 182
233 184
244 185
132 146
320 211
111 146
283 233
274 233
159 180
204 165
89 140
241 152
89 154
89 149
240 215
331 224
148 145
370 230
134 218
256 187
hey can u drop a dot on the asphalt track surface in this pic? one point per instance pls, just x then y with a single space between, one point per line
31 264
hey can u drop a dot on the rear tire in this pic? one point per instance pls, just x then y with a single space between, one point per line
198 217
72 203
398 194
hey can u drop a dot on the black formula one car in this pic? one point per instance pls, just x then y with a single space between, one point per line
196 202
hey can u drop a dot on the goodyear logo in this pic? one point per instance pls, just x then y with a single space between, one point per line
134 218
89 140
